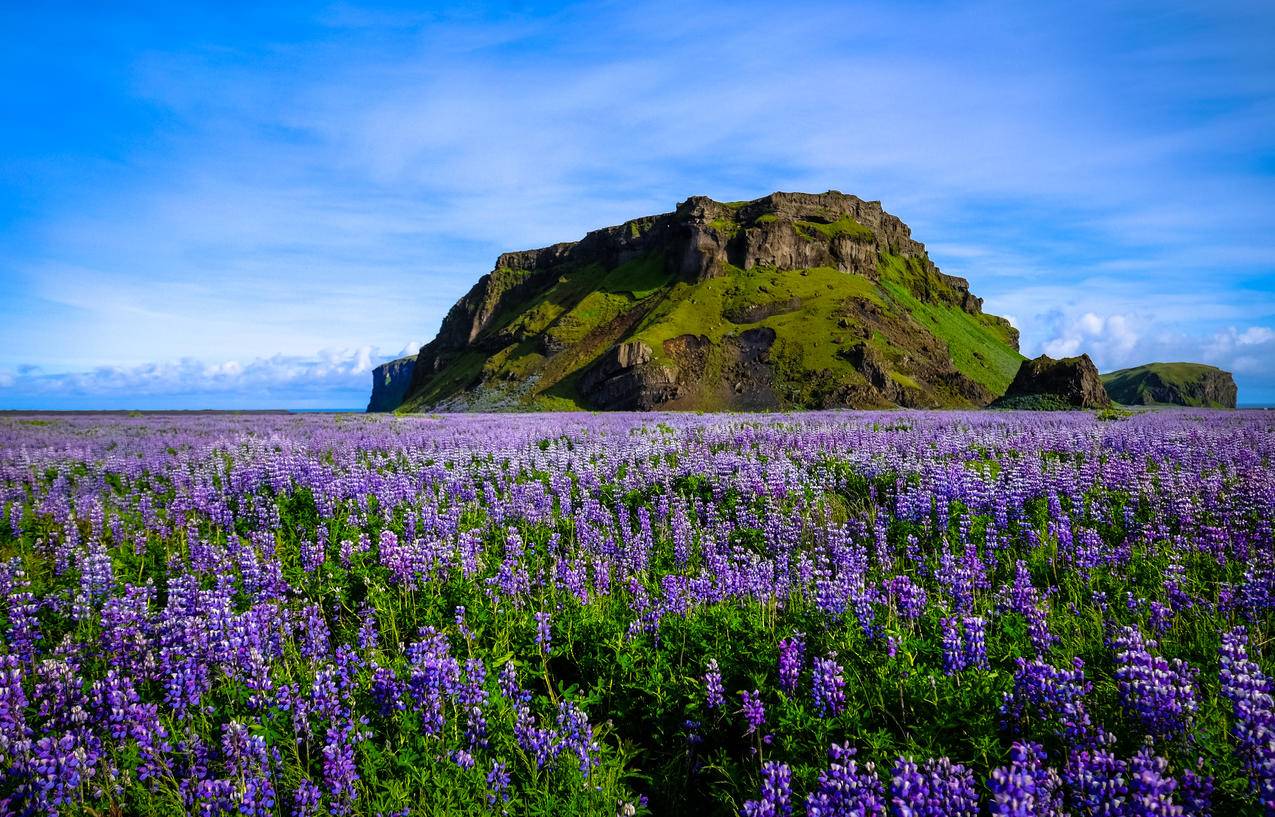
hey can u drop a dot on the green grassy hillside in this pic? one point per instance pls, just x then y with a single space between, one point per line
1176 384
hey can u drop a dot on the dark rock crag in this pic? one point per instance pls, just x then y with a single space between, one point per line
1172 384
503 345
1071 382
389 384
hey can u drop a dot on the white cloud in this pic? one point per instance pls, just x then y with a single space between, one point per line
1106 339
1255 336
267 381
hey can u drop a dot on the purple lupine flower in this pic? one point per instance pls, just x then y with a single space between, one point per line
369 636
534 739
776 792
1026 786
575 736
509 686
1160 693
1052 696
472 697
938 788
1252 696
828 686
543 634
713 686
497 784
846 789
307 799
953 647
975 647
753 710
461 626
1196 791
1097 781
907 597
1151 787
792 652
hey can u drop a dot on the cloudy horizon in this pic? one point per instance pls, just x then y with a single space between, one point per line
251 208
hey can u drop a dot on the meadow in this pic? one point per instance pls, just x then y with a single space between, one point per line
835 613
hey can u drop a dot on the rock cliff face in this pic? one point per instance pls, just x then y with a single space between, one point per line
1043 382
389 384
756 304
1172 384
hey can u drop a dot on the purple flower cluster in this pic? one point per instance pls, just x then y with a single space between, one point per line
713 686
1026 785
792 655
753 710
776 793
847 789
1252 696
828 686
936 788
242 615
1160 693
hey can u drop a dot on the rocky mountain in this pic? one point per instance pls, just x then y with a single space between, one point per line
1172 384
792 300
1046 383
390 382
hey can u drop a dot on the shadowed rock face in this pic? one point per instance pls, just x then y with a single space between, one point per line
1072 381
624 379
606 366
1172 384
389 384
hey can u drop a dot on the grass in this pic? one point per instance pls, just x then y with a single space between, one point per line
640 278
964 334
844 227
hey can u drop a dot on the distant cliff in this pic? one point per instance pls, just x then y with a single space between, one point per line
389 384
1172 384
793 300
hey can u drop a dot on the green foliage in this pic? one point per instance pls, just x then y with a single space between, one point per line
843 227
1034 402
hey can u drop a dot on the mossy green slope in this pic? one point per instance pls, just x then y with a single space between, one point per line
754 335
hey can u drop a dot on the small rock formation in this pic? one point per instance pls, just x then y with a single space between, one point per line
389 384
1172 384
864 357
1071 382
624 378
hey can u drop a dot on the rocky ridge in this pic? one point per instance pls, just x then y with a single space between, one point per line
790 300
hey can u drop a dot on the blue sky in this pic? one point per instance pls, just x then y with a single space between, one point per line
249 205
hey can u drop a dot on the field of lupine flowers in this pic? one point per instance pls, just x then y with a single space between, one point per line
900 613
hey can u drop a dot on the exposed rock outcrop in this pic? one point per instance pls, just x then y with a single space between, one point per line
1071 382
1172 384
389 384
625 378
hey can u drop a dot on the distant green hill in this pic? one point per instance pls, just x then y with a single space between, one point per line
1172 384
789 301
